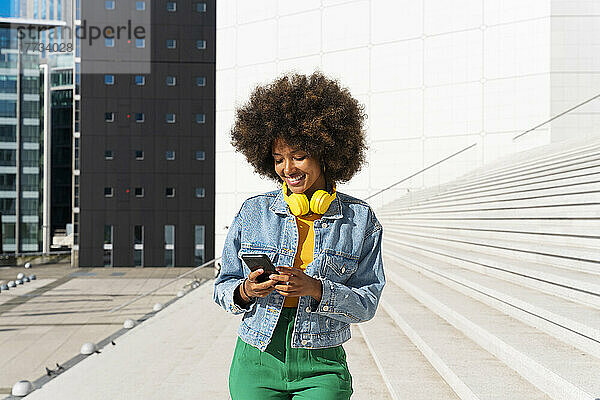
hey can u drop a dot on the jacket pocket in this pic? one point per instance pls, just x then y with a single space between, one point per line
338 267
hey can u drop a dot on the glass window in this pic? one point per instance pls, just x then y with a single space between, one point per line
140 80
109 42
139 117
138 245
198 244
170 155
139 154
200 192
170 234
171 81
200 81
200 155
200 118
140 5
171 6
200 44
107 248
109 4
200 7
109 116
108 154
140 43
170 192
169 245
138 234
109 79
108 192
170 118
171 43
139 192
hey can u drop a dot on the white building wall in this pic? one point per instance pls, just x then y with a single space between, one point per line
435 76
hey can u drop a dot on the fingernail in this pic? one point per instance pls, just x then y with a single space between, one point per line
261 270
271 276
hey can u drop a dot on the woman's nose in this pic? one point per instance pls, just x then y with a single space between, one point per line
288 167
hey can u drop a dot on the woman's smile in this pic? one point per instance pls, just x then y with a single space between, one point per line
301 172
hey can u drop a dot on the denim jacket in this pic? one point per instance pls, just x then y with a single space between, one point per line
347 259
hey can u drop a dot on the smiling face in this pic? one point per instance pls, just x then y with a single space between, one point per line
301 172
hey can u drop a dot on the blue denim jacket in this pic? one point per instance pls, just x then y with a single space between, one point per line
347 259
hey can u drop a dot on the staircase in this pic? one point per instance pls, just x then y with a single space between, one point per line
493 282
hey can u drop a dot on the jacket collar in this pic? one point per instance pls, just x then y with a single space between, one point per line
279 206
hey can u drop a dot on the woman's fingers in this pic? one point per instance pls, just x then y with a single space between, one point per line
255 274
280 277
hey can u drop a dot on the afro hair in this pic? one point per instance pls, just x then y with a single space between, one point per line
314 114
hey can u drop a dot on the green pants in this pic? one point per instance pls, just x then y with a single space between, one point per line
283 372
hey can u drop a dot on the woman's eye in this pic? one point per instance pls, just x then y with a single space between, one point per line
300 158
278 161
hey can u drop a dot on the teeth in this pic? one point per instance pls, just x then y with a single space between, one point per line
296 179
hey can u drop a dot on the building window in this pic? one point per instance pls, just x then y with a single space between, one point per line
200 81
139 117
140 80
170 118
108 245
109 116
108 154
200 118
200 155
198 244
109 79
140 43
170 192
109 4
169 245
139 192
200 192
170 155
138 245
201 44
139 154
171 81
108 192
109 42
140 5
200 7
171 6
171 43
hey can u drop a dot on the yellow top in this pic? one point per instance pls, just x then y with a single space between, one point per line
306 247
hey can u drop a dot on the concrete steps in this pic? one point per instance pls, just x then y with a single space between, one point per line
582 287
571 253
571 322
556 368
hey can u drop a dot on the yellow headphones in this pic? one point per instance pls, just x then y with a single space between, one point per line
300 205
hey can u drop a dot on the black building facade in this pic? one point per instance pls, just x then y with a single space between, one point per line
144 169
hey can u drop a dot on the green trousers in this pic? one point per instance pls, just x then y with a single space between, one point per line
283 372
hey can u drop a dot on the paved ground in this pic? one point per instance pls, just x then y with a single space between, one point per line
46 321
182 352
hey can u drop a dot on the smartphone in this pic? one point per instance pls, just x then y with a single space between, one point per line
256 261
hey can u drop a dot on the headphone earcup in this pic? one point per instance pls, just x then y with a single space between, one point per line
320 201
298 203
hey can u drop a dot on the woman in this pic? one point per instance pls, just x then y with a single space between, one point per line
305 132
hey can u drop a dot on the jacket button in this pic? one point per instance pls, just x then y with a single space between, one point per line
308 309
343 269
324 224
325 308
304 342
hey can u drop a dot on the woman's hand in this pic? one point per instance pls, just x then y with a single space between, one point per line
293 282
252 289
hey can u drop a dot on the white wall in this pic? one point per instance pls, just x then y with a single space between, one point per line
435 76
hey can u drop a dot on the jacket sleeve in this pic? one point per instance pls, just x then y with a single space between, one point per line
232 272
357 299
